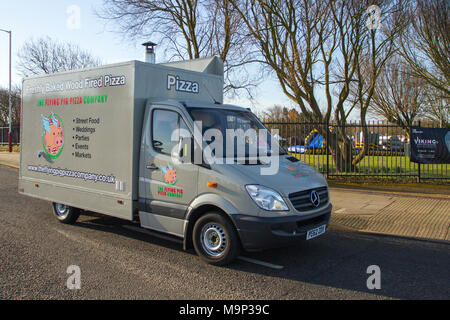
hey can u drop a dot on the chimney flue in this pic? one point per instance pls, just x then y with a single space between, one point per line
149 52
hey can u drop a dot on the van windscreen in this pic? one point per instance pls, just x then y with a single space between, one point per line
241 132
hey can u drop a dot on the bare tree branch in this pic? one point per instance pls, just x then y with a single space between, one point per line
45 55
190 29
399 96
4 105
425 44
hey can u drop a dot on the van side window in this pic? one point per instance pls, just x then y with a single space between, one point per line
165 134
184 130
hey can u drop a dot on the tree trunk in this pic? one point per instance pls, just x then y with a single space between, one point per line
340 147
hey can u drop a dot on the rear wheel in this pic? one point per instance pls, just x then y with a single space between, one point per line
215 239
65 214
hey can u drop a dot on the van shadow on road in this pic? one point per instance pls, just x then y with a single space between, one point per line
410 269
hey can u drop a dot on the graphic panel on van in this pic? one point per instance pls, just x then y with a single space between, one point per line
52 135
169 175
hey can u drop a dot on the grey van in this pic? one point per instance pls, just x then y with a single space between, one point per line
134 150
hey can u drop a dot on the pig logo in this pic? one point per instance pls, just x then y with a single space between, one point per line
53 135
169 175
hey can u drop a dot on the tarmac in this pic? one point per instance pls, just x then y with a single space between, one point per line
403 214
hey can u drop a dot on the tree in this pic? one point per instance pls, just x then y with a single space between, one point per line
316 45
46 55
4 106
425 43
190 29
400 97
294 115
437 108
278 113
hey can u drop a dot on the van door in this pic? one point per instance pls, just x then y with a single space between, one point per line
169 187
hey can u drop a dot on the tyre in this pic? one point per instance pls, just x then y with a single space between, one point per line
215 239
65 214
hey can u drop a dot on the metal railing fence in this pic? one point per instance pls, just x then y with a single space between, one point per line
322 146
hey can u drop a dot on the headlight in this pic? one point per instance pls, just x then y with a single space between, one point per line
266 198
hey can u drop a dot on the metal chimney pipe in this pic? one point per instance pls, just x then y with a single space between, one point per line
150 52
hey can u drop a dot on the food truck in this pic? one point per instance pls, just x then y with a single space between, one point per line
102 139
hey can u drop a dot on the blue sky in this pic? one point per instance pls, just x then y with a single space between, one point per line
30 18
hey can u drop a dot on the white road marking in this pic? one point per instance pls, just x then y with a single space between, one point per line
342 210
262 263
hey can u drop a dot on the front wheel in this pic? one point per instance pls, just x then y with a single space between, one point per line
65 214
215 239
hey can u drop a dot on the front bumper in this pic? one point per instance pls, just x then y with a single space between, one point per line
259 233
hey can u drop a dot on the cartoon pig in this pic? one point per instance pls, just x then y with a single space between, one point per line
53 134
169 174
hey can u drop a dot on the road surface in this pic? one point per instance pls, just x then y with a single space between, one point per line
118 263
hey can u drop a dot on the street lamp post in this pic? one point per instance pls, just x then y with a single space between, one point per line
10 102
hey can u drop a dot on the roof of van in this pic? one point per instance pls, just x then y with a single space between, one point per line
200 104
196 104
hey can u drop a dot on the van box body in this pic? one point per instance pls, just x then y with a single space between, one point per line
81 130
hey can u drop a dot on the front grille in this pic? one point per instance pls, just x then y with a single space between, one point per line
301 200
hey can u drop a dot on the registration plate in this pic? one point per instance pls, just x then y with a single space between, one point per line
316 232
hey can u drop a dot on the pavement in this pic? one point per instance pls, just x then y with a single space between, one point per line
414 215
400 214
10 159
